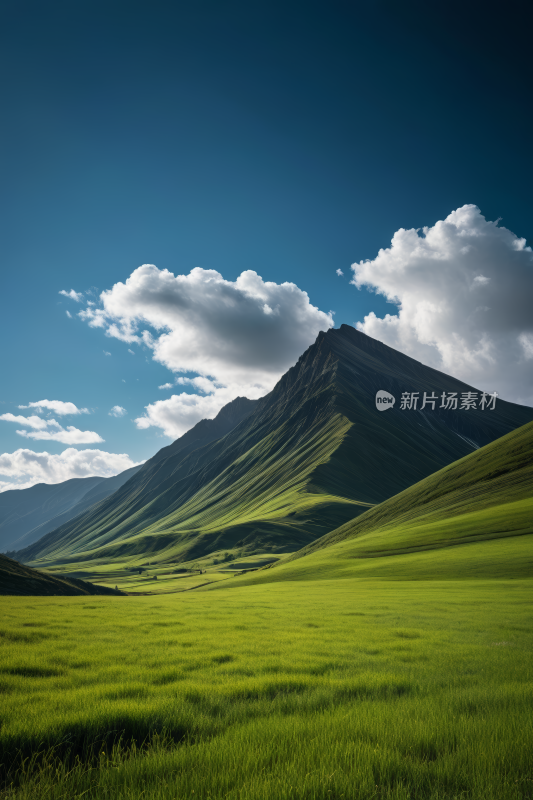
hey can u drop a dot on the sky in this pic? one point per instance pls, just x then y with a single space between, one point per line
190 192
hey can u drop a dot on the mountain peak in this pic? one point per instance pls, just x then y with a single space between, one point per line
278 472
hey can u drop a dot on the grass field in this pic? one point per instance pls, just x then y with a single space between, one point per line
317 689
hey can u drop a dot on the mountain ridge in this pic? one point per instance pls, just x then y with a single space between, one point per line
28 514
314 452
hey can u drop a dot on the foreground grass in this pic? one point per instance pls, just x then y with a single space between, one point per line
308 689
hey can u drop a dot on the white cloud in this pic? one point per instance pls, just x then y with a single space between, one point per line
69 315
117 411
57 406
107 353
77 296
340 272
242 334
526 341
34 422
50 430
26 468
166 386
70 435
463 289
131 351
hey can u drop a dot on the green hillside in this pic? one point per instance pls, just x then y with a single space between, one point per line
473 518
18 580
311 456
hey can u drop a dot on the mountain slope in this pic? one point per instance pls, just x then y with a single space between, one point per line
28 514
474 517
313 454
17 579
21 510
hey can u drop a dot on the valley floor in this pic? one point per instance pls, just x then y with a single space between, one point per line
342 688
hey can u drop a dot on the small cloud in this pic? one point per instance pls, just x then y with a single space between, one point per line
117 411
481 280
340 272
69 315
33 421
131 351
526 340
106 353
166 386
50 430
123 381
71 435
77 296
57 406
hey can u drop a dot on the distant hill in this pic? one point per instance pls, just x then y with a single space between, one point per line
17 579
27 514
473 518
312 455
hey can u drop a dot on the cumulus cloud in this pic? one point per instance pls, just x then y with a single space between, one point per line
340 272
166 386
77 296
463 289
50 430
25 468
57 406
117 411
242 335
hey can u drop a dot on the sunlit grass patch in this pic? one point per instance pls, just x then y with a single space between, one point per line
237 694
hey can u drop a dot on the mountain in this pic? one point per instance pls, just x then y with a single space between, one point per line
312 455
27 514
203 433
17 579
208 430
473 518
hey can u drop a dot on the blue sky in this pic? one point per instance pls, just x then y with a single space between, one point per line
290 139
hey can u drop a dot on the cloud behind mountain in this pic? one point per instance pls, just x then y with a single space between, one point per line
241 335
463 288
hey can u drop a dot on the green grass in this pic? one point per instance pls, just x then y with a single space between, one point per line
389 659
306 689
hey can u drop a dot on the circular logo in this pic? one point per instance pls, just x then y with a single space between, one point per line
384 400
